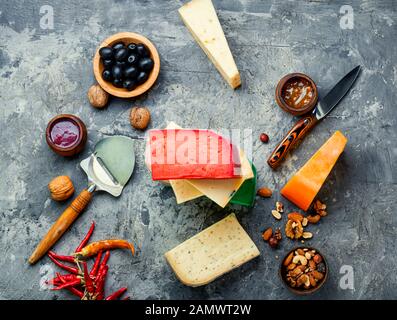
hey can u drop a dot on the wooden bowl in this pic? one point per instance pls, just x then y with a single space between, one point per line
298 291
76 147
279 94
127 37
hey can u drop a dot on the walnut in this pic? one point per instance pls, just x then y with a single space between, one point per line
97 96
320 207
61 188
139 118
293 230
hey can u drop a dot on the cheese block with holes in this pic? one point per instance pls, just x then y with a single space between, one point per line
211 253
303 187
202 21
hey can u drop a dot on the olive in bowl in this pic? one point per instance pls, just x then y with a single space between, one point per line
126 65
304 270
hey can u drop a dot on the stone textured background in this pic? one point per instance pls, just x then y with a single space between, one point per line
46 72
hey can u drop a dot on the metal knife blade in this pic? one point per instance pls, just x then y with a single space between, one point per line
336 94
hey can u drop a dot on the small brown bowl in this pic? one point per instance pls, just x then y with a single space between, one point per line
298 291
280 96
77 146
127 37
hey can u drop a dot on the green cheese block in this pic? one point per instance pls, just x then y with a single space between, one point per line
245 196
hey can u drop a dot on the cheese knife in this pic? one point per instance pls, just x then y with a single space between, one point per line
305 124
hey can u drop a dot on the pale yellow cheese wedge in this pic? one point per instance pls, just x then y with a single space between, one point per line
214 251
202 21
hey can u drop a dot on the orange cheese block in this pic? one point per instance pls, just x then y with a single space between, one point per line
302 188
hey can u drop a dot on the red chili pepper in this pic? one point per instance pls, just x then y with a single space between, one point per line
116 294
68 284
104 262
67 277
74 291
88 281
126 298
63 266
62 258
95 267
101 283
86 238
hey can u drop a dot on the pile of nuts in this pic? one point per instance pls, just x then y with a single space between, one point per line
294 229
304 268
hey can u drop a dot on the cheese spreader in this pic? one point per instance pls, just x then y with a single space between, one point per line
108 169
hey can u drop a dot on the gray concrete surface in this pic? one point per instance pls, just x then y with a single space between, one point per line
46 72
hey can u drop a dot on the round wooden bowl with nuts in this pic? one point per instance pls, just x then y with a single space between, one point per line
126 38
304 270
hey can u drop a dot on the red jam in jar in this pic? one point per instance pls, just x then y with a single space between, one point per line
65 133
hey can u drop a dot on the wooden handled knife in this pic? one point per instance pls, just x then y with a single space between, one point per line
305 124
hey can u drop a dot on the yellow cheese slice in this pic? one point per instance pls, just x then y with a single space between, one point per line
214 251
202 21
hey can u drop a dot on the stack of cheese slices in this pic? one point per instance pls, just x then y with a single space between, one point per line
190 177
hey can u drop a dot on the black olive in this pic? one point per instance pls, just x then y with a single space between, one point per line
118 83
121 54
146 64
142 77
129 84
118 46
142 51
132 59
132 48
107 63
117 72
107 75
106 53
130 72
121 64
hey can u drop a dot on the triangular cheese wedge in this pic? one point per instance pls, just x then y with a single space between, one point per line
200 18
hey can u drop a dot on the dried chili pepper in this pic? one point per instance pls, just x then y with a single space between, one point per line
74 291
116 294
63 266
67 277
95 247
62 258
87 279
100 284
68 284
95 267
86 238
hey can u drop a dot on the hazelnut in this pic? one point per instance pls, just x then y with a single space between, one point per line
139 118
61 188
97 96
273 242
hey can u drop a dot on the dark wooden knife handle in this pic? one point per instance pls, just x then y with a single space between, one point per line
300 129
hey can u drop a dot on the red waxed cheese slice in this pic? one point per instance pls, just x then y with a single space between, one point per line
302 188
192 154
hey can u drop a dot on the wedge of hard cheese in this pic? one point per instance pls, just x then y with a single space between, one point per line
184 190
302 188
214 251
192 154
202 21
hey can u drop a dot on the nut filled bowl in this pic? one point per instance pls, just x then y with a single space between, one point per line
303 270
128 71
